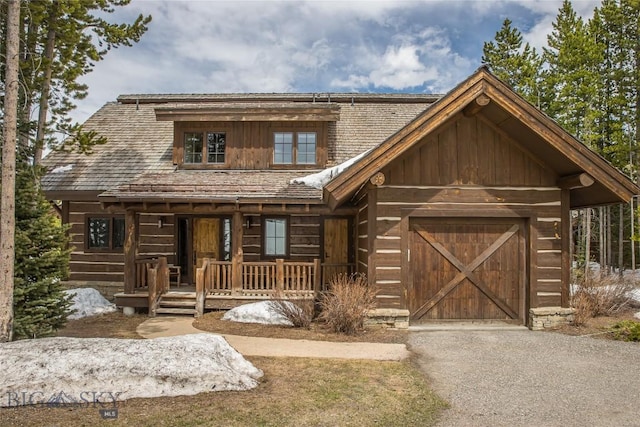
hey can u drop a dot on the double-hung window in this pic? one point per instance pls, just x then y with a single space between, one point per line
204 148
294 148
105 233
276 242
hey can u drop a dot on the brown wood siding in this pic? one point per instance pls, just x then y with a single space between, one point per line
304 239
469 166
362 238
90 266
469 151
109 266
249 145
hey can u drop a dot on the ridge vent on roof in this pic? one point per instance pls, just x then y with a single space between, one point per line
351 98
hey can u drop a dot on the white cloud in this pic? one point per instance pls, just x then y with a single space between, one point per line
284 46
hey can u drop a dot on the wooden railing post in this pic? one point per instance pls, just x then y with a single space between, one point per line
236 276
130 249
280 274
200 287
317 277
237 254
152 274
162 276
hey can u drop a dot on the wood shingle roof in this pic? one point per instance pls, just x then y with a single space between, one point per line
137 157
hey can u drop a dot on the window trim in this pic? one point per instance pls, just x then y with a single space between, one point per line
294 148
263 237
204 164
111 217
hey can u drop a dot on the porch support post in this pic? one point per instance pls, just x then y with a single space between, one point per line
130 250
565 244
236 252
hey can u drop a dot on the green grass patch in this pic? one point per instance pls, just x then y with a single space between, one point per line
626 330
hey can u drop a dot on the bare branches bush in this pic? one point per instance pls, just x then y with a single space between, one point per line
345 305
299 311
601 296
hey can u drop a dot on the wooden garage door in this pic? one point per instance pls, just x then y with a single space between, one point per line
467 269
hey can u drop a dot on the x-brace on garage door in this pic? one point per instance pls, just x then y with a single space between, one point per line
467 268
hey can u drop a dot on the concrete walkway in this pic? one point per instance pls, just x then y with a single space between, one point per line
166 326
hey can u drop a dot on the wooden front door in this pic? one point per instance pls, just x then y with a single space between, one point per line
206 240
467 269
336 247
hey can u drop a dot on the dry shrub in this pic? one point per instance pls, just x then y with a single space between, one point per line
345 305
299 311
601 296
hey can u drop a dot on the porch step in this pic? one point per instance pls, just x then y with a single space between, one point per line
166 310
177 303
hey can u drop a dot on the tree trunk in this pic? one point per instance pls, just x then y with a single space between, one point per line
7 204
631 241
43 108
620 239
587 243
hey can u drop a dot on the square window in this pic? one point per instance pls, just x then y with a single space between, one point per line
275 237
294 148
193 147
216 144
283 148
306 148
105 233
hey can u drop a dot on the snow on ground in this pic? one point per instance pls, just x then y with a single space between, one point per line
320 179
83 370
257 312
88 302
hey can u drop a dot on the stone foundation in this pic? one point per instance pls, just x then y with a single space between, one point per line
106 289
549 317
388 317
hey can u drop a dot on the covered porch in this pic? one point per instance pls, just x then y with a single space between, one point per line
225 284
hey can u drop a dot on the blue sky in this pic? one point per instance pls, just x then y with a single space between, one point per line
313 46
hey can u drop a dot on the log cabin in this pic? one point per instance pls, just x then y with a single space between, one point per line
455 206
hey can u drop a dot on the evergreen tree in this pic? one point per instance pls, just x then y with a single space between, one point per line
61 41
40 305
571 78
517 66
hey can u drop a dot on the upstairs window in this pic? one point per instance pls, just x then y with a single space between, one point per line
105 233
204 147
294 148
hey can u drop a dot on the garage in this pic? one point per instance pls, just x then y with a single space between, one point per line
467 269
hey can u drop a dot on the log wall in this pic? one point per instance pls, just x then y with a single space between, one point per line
106 266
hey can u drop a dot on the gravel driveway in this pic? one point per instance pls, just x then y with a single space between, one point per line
524 378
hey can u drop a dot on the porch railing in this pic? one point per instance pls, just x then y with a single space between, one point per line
260 278
152 274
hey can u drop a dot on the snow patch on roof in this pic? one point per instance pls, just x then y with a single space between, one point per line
62 169
320 179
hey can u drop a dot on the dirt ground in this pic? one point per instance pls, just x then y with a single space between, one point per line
597 327
212 322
